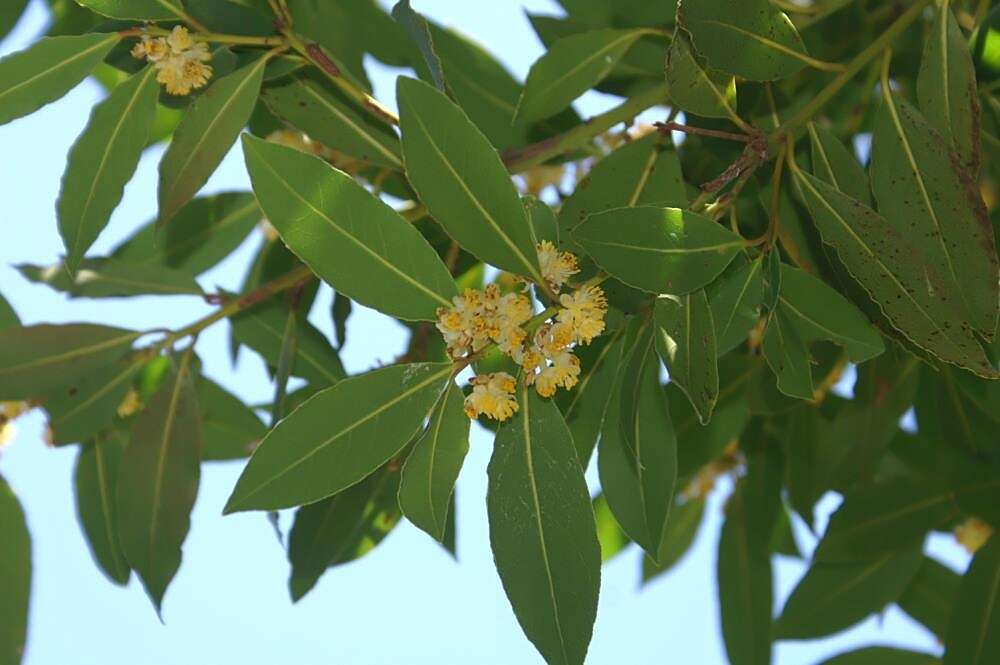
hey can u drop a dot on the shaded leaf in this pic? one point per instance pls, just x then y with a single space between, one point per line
418 29
882 656
15 575
930 598
111 278
140 10
787 355
974 632
736 298
834 164
96 485
685 342
682 528
695 88
8 317
612 539
230 429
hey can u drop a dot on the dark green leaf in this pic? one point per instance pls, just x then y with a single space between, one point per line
15 576
80 409
882 656
432 467
612 539
787 355
931 596
974 632
418 29
542 530
10 12
111 278
834 164
45 72
685 342
96 485
346 235
8 317
682 528
230 430
140 10
544 224
695 88
736 298
338 437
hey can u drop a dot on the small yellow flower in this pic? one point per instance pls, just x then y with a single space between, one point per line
493 396
130 404
180 40
564 372
973 534
557 267
179 60
8 412
584 311
150 48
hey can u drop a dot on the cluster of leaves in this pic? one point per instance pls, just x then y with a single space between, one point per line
756 260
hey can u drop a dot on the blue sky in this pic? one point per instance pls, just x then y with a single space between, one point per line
406 602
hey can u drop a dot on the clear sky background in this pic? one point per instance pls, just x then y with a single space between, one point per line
407 602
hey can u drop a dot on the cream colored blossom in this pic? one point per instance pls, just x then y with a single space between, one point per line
973 534
564 372
492 396
584 311
557 267
178 59
180 40
478 318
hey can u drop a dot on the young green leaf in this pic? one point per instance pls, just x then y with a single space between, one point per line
835 596
37 359
570 67
102 161
230 429
429 475
205 135
834 164
45 72
974 633
894 273
819 312
158 481
694 87
338 437
418 29
139 10
101 277
660 250
946 87
685 342
461 180
347 236
930 598
15 576
924 196
327 116
79 410
96 484
752 39
787 355
542 530
736 298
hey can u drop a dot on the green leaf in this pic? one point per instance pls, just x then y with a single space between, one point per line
685 341
946 87
15 576
230 430
974 633
139 10
924 196
819 312
893 272
10 13
96 484
959 409
884 517
418 29
205 135
338 437
37 359
744 562
347 236
431 469
103 160
612 539
736 298
203 233
544 225
787 355
695 88
882 656
82 408
110 278
931 596
682 528
477 205
570 67
660 250
158 481
752 39
327 116
262 329
835 596
341 528
8 317
45 72
542 530
834 164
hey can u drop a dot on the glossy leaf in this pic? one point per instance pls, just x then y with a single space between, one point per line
542 530
891 269
788 356
835 596
96 485
45 72
695 88
923 195
661 250
102 161
685 342
570 67
111 278
736 298
205 135
230 430
431 469
15 575
338 437
460 178
140 10
37 359
79 410
348 237
752 39
974 632
930 598
946 87
158 482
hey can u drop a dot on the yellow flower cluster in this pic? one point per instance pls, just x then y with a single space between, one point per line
481 318
178 58
8 412
973 534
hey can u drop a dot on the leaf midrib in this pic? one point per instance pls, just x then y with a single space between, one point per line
80 54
